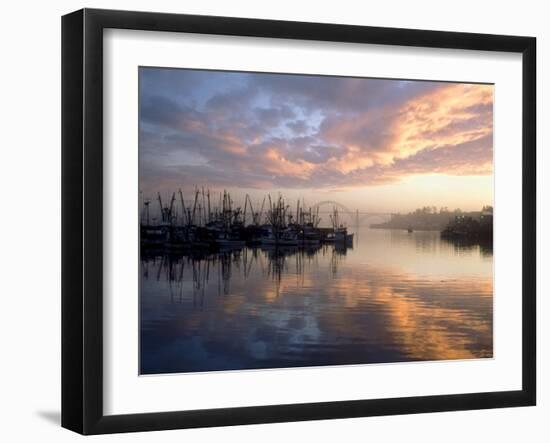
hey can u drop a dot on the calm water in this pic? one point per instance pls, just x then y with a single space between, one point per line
393 297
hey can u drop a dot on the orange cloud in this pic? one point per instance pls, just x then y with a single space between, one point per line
449 116
446 117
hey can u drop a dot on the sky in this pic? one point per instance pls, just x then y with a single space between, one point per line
370 144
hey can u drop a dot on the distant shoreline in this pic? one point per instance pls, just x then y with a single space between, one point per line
404 229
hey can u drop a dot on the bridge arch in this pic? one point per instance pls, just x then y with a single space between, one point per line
350 217
354 217
333 203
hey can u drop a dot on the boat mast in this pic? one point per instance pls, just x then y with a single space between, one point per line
183 208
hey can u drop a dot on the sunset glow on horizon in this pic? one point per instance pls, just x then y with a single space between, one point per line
370 144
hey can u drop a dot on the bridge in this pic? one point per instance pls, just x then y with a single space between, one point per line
355 217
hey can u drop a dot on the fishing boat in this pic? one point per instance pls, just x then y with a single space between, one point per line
285 237
340 231
309 235
329 237
229 240
153 236
225 236
341 235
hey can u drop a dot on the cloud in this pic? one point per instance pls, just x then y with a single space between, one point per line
273 117
473 157
291 131
299 127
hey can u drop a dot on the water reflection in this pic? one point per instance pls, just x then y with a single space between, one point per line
394 297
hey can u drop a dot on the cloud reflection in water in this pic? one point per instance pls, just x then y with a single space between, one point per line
393 298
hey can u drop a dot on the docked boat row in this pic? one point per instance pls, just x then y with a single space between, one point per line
201 224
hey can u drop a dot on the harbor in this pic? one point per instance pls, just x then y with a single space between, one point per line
278 283
213 222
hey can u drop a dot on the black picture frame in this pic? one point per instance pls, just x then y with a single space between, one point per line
82 218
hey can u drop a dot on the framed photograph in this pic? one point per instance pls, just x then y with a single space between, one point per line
269 221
